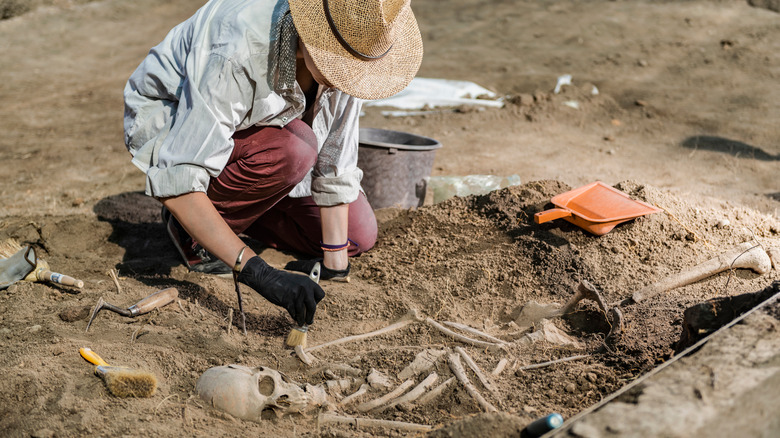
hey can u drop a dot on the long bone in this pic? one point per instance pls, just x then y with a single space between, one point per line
490 346
747 255
326 418
412 395
411 316
460 373
375 403
355 395
433 393
477 370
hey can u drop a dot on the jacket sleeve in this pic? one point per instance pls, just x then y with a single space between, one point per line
200 142
336 177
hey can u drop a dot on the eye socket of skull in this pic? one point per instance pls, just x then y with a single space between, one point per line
266 386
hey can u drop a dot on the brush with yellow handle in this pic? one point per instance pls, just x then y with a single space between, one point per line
121 381
41 272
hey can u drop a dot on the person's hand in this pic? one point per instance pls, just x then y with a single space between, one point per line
296 293
306 266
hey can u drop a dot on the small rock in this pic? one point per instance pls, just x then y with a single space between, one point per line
35 329
570 387
642 63
74 313
723 223
525 100
42 433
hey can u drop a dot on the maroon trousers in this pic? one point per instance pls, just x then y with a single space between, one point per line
251 192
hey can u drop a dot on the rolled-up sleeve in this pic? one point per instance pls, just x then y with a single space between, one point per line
336 177
206 80
199 142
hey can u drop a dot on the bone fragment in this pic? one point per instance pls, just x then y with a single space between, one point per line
422 362
378 379
474 331
116 281
370 422
460 373
435 392
301 353
405 320
477 370
493 347
340 367
552 334
747 255
552 362
336 387
499 367
367 406
317 394
774 256
412 395
354 396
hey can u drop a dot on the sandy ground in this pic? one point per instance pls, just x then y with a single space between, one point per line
685 119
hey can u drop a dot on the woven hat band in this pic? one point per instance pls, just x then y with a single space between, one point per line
357 25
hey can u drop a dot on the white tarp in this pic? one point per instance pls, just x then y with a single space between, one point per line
426 93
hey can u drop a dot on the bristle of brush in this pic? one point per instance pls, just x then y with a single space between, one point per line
297 337
128 382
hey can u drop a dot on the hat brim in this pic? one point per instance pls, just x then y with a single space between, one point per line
375 79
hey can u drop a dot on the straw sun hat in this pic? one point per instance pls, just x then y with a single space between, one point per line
370 49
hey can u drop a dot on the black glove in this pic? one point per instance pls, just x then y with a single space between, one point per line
306 266
298 294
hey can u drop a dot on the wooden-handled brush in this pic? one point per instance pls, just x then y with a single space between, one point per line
121 381
41 271
297 336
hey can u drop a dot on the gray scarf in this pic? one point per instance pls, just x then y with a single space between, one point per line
284 46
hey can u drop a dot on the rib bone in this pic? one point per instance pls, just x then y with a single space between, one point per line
460 373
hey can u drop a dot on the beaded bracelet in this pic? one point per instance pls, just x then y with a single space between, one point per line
326 247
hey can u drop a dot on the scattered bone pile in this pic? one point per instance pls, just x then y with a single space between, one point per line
570 316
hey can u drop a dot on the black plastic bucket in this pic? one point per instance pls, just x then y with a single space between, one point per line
395 167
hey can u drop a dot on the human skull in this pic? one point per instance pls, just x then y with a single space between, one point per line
254 393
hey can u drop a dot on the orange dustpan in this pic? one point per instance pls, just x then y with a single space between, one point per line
596 207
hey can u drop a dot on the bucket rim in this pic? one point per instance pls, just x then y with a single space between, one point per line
434 144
